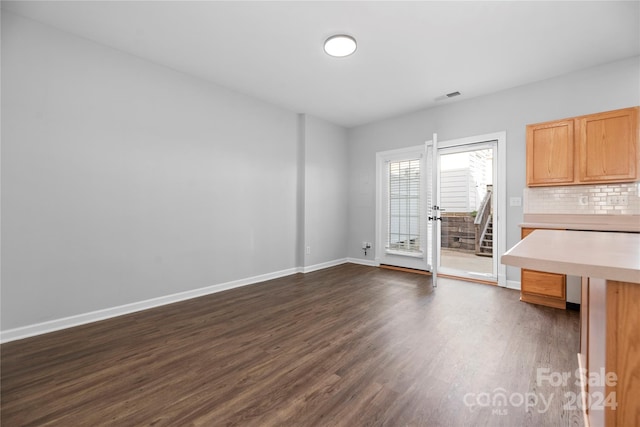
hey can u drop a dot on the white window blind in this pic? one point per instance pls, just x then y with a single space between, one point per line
404 206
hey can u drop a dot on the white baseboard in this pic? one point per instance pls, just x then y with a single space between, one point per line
315 267
107 313
361 261
513 284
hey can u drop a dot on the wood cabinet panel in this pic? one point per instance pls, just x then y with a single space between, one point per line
542 283
543 300
607 146
584 320
525 232
609 345
550 153
623 352
593 149
539 287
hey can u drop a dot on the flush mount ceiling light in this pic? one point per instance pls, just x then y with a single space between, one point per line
340 45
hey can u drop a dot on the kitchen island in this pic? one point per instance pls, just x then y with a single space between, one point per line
609 264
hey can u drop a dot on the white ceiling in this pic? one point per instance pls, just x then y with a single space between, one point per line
409 53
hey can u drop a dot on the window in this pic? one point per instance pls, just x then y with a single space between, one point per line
404 206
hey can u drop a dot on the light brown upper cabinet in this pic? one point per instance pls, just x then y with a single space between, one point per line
550 153
593 149
607 146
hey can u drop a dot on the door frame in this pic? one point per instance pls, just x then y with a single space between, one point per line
501 216
500 189
466 148
419 262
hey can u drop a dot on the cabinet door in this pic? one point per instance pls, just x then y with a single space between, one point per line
608 146
545 284
550 153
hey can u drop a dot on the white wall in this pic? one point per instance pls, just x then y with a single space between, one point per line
602 88
123 180
326 202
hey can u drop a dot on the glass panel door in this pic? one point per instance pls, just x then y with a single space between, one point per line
467 200
402 195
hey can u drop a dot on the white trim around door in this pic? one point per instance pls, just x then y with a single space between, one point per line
427 258
500 138
411 250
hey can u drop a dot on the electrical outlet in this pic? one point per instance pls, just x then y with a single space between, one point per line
365 247
617 200
583 200
308 250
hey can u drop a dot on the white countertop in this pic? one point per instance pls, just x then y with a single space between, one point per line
604 255
630 223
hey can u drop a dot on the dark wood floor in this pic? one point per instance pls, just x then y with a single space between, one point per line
350 345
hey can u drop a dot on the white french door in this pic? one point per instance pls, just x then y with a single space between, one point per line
470 235
413 200
467 198
402 201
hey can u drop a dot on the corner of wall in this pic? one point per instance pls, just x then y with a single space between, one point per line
300 189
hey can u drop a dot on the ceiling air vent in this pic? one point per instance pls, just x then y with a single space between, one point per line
449 95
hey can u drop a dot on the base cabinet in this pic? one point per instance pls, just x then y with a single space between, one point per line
543 288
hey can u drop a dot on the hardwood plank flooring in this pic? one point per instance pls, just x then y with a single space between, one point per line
346 346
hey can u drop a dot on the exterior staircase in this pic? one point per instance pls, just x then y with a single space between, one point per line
486 245
484 226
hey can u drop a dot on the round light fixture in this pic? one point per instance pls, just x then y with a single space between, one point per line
340 45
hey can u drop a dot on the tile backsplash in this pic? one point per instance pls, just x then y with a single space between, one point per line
609 199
